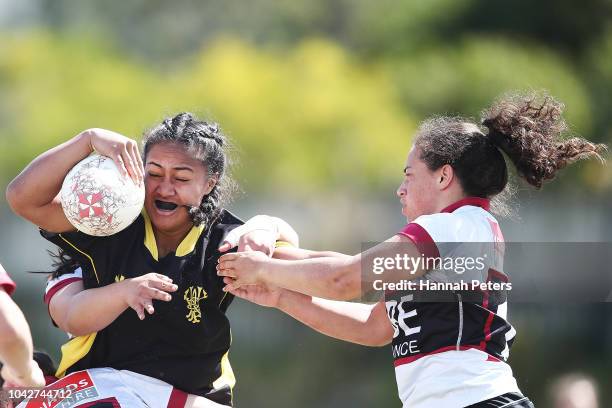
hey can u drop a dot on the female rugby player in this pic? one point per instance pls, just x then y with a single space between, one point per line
172 248
448 353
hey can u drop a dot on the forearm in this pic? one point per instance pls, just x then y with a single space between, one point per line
40 182
329 277
352 322
92 310
15 337
296 254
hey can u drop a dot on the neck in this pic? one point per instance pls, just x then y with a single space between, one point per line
168 241
450 198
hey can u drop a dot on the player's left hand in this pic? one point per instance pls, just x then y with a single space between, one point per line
244 268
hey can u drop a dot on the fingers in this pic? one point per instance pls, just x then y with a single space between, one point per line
130 165
228 257
149 308
153 293
225 246
163 285
225 270
232 238
162 277
231 287
118 159
137 159
139 309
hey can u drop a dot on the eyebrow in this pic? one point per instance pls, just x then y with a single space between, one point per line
174 168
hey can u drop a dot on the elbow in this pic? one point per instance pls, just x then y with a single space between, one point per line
74 328
12 196
70 322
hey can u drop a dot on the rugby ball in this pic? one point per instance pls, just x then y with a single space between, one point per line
97 200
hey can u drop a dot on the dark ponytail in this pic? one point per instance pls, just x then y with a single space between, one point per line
528 129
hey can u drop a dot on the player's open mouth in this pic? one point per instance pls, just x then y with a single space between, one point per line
165 205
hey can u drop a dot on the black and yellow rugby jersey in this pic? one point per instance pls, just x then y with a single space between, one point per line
186 341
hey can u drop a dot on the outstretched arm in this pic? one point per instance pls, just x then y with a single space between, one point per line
16 346
358 323
103 305
33 194
336 277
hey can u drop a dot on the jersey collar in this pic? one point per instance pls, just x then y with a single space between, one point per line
483 203
186 246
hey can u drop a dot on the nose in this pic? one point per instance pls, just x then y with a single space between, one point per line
166 188
400 191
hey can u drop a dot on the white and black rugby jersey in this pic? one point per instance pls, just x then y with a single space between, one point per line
453 353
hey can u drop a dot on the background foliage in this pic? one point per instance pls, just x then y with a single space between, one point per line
321 99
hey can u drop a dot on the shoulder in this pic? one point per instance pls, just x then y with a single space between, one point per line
226 221
466 224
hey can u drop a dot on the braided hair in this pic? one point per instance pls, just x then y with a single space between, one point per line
209 145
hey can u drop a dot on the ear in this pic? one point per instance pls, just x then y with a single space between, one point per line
445 177
211 182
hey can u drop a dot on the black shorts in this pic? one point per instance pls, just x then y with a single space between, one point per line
509 400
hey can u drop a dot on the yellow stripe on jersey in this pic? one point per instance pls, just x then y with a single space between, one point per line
186 246
73 351
283 244
227 375
188 243
149 240
87 255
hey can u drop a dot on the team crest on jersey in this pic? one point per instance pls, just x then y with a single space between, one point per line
193 295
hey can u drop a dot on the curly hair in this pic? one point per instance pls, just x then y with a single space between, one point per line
209 145
528 128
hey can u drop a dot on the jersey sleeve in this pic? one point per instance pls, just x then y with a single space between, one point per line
458 241
90 252
94 254
59 282
6 282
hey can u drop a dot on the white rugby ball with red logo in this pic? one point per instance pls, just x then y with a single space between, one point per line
97 200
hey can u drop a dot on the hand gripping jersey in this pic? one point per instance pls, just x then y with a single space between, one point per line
6 282
185 343
451 352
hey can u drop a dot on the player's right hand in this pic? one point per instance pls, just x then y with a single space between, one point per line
123 151
140 292
261 294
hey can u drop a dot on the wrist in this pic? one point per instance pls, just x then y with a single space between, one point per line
86 138
122 290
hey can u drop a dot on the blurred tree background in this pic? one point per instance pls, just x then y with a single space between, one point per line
321 98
